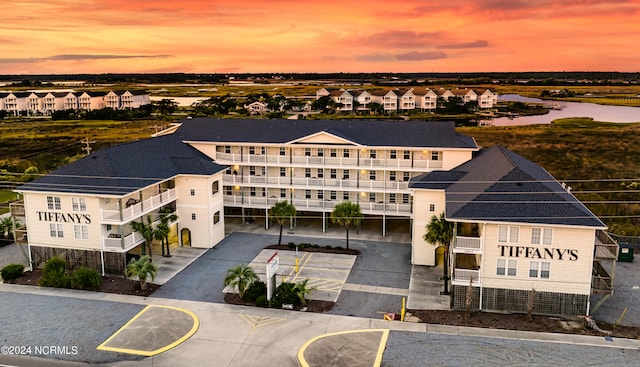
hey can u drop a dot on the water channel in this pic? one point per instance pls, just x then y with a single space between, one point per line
568 109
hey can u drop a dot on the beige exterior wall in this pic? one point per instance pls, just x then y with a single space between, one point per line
570 274
422 252
39 217
204 204
208 148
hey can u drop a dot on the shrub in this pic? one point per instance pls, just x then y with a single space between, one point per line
304 245
328 247
85 278
54 274
255 290
12 271
291 245
315 245
285 293
261 300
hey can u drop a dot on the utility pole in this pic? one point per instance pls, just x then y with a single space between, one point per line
87 147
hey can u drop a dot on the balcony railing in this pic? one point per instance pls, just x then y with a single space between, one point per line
311 182
463 276
138 209
317 204
467 244
325 161
127 242
17 209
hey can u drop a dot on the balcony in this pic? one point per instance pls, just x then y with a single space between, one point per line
125 243
467 244
138 209
311 182
16 208
325 161
463 276
317 204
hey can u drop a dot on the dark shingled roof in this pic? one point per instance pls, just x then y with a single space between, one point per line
128 167
499 185
428 134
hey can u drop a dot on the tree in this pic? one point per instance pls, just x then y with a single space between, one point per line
165 106
142 268
241 276
302 291
281 212
166 215
346 214
148 231
440 232
376 108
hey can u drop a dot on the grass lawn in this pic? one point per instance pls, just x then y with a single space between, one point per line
5 197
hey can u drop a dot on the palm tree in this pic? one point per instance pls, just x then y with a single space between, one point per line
440 232
281 212
142 268
166 215
302 290
241 276
345 214
148 231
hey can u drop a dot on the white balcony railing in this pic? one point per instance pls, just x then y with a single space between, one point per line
326 161
311 182
127 242
463 276
318 204
138 209
467 244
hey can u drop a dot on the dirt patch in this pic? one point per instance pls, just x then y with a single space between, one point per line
519 322
115 285
315 248
312 305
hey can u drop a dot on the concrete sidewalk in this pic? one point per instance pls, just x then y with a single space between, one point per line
230 335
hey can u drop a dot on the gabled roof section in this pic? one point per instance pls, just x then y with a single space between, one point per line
126 168
324 137
422 134
499 185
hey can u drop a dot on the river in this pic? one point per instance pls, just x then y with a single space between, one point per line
569 109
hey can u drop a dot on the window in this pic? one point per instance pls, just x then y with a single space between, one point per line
263 191
263 150
372 175
109 227
193 216
283 151
392 175
345 174
55 230
535 236
539 269
345 195
263 170
216 218
392 198
252 150
506 267
283 193
79 204
215 187
320 152
372 197
372 154
406 154
405 198
320 194
432 207
307 152
192 192
547 236
252 170
252 191
345 153
228 190
333 195
333 153
332 173
227 149
53 203
307 172
307 194
80 232
508 234
393 154
283 172
435 156
320 173
406 176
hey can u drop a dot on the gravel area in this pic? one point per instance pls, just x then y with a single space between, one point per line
74 327
410 349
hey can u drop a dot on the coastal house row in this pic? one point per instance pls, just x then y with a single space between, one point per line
45 103
406 99
516 227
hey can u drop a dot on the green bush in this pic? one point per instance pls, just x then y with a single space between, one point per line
291 245
12 271
85 278
315 245
261 300
255 290
328 247
54 274
285 293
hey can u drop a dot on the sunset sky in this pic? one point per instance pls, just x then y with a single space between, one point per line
209 36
